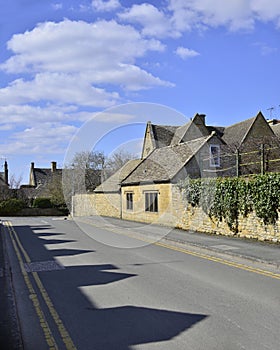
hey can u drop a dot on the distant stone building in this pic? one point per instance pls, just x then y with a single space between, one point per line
41 178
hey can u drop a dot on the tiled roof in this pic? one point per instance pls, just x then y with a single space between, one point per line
112 184
43 176
163 134
2 181
276 129
235 134
164 163
180 132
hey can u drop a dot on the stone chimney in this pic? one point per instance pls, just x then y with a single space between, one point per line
6 173
53 167
31 175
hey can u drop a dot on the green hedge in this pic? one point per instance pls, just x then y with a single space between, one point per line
11 206
42 203
227 198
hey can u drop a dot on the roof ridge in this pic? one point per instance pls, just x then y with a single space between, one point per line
186 142
164 125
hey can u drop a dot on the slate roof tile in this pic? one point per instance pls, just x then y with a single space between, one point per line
164 163
276 130
180 132
43 176
234 134
163 134
2 181
112 184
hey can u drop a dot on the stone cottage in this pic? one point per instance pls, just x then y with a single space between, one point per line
145 190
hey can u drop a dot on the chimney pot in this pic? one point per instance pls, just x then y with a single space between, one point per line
53 167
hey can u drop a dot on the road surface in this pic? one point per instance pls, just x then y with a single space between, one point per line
73 292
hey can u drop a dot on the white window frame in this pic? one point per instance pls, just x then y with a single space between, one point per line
129 200
151 201
215 161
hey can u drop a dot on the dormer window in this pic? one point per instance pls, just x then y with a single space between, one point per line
215 155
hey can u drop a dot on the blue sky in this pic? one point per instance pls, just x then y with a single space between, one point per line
62 62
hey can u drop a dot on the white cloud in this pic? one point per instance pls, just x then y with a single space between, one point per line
44 138
56 132
191 14
57 6
155 23
232 14
104 6
28 115
131 77
109 117
265 49
69 58
67 66
185 53
266 10
58 88
74 46
6 127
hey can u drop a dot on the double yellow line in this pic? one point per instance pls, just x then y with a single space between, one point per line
190 252
49 338
222 261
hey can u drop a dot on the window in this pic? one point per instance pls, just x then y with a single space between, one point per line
215 155
151 202
129 201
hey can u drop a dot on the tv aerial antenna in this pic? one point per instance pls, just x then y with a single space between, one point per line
271 110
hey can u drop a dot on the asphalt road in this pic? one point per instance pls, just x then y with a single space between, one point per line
73 292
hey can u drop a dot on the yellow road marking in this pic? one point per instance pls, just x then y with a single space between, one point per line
189 252
61 328
221 261
33 296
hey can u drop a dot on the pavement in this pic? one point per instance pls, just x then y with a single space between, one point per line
262 252
10 335
234 247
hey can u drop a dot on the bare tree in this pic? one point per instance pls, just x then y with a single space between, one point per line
83 174
15 182
11 191
116 161
56 191
89 160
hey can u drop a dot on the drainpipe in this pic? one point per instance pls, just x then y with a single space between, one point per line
237 155
121 214
262 160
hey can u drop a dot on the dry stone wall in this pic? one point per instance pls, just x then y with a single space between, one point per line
174 212
194 218
103 204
